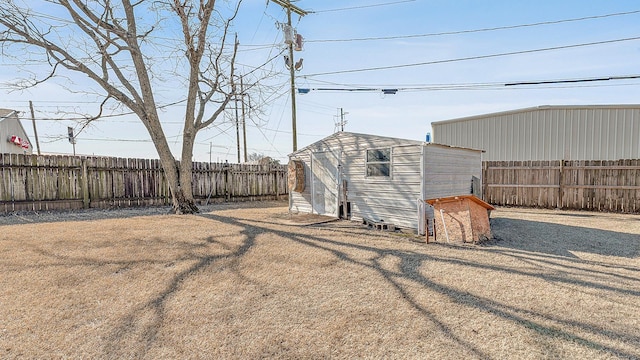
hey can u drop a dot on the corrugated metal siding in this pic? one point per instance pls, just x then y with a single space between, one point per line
448 172
548 133
390 199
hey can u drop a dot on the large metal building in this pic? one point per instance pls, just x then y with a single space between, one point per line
591 132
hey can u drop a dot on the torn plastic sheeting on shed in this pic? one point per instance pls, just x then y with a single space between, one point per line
295 175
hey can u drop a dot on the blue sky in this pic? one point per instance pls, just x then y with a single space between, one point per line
445 89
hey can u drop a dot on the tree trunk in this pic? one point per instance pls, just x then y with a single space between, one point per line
184 204
187 203
181 196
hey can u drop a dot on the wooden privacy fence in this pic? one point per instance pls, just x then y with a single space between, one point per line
581 185
32 182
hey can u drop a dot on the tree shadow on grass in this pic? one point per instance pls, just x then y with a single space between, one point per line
145 331
409 270
563 240
143 322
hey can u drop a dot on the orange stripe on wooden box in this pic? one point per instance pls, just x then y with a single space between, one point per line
463 218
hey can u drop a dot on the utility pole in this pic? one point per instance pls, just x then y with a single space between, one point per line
292 72
35 132
237 127
290 7
244 122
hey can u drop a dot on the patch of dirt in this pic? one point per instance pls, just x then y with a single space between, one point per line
303 219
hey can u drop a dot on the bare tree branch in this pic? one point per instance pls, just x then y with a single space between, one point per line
112 44
227 96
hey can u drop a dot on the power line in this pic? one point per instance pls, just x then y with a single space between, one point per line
109 116
528 87
458 32
483 88
625 77
165 57
478 57
351 87
56 138
361 7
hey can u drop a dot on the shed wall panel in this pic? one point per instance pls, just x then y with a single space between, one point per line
449 171
390 199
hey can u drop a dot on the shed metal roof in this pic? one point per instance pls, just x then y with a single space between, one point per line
406 141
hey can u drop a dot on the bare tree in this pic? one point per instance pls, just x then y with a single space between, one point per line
261 159
111 42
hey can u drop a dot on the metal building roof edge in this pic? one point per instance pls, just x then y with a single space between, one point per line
537 108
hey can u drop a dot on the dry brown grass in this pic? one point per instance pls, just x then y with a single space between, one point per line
238 283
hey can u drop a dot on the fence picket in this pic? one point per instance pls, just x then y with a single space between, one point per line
585 185
50 182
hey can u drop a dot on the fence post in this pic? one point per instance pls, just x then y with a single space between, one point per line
84 181
560 185
226 182
485 170
275 176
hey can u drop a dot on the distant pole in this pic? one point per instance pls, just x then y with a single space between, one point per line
237 128
210 151
35 131
244 122
342 122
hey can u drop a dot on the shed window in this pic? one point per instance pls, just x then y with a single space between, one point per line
378 162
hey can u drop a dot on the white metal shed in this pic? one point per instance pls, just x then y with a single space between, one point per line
381 178
588 132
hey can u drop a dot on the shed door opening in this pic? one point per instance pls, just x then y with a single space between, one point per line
324 171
